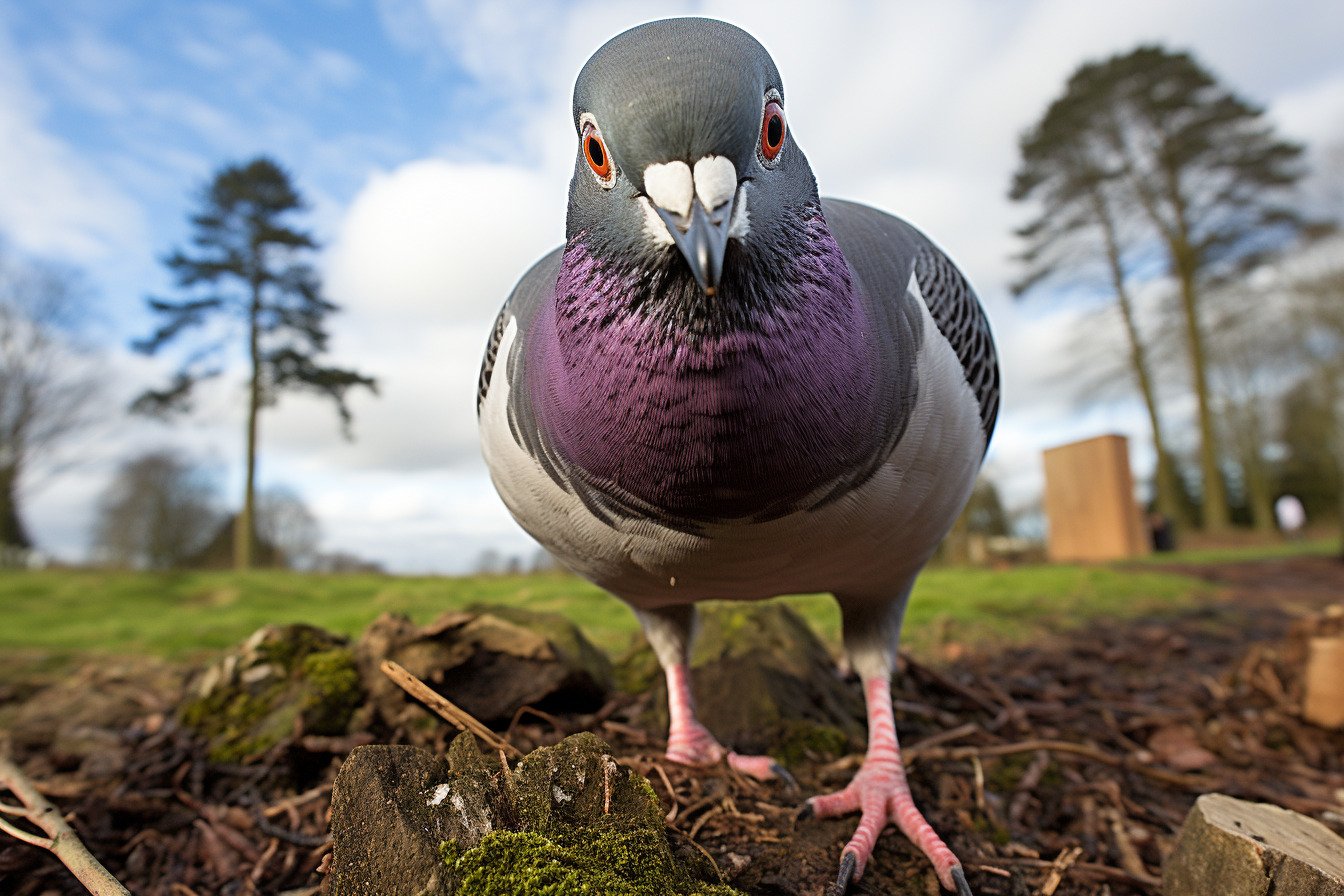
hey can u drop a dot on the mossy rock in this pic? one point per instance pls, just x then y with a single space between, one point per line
764 682
282 682
568 819
489 660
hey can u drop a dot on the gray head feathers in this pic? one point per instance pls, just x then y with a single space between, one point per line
677 89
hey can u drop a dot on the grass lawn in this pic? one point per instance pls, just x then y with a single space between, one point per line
1311 547
53 614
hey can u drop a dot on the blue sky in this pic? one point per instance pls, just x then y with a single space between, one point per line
432 141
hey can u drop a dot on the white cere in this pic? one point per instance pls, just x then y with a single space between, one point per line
668 184
715 181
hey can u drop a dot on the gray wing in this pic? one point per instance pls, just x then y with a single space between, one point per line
534 287
962 320
884 251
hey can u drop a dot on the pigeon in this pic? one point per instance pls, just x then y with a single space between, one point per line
723 387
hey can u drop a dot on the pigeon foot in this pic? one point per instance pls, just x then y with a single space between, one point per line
692 744
880 792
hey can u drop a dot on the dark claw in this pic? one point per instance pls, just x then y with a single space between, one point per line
848 862
805 812
785 776
959 878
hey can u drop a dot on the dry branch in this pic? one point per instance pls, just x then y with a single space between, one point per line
60 840
447 709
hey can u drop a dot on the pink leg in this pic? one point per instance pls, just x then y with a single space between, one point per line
881 793
691 743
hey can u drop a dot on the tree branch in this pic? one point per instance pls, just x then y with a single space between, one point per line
61 840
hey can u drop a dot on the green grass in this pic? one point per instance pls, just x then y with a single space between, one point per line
1312 547
187 615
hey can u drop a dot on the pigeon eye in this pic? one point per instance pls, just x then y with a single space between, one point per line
772 130
595 151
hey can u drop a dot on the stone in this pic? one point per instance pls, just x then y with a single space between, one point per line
488 660
764 682
283 682
1237 848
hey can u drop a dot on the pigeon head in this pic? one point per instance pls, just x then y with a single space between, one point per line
684 151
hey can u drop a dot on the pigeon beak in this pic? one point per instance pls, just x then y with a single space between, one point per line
702 240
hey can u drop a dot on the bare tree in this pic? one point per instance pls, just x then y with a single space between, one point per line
47 378
1084 237
286 523
1251 365
1320 315
158 511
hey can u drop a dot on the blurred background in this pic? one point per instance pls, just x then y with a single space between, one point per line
426 147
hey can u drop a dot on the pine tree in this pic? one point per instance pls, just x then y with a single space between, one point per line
249 266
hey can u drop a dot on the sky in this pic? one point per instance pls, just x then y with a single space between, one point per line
432 142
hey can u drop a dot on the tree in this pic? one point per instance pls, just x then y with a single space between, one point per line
158 511
47 379
249 267
285 522
1082 235
1196 168
1320 318
983 517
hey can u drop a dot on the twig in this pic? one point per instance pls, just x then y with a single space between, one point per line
1096 754
295 801
456 715
1058 868
298 838
61 840
671 815
1124 847
1095 869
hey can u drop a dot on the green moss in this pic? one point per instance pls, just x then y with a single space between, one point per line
803 740
287 646
636 671
580 861
310 683
578 822
333 690
240 724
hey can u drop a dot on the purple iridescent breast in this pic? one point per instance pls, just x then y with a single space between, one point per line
740 416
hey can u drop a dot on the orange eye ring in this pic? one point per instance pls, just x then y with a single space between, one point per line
595 151
773 130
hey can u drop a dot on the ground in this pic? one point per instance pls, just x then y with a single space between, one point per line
1059 767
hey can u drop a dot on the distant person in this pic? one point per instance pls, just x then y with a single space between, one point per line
1161 532
1288 510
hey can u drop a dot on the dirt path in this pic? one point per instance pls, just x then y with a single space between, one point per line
1070 763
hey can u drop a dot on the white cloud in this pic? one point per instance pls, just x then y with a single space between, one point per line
53 202
436 241
913 108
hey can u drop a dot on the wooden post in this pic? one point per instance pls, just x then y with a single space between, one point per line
1089 502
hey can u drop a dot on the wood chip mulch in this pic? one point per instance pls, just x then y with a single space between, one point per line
1063 768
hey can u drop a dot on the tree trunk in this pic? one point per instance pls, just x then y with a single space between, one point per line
245 530
1216 517
13 534
1167 492
1259 495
